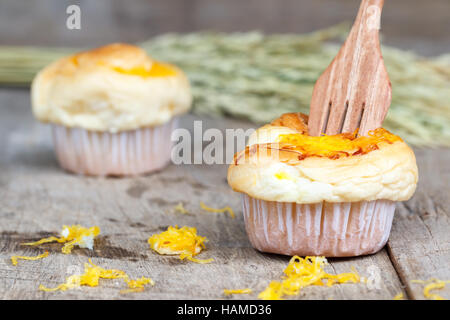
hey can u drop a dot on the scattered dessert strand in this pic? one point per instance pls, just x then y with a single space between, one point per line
228 292
225 209
191 258
71 236
15 258
180 208
336 146
399 296
92 274
301 273
432 284
179 241
137 285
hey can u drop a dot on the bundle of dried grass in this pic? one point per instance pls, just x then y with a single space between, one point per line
258 77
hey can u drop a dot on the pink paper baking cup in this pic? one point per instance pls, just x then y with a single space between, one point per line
124 153
321 229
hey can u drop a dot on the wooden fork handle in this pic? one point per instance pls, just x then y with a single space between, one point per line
369 108
354 91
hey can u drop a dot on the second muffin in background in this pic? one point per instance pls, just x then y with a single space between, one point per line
112 109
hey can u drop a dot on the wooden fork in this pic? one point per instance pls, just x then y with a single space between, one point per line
354 91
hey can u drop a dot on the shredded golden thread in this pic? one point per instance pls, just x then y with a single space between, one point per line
179 241
336 146
301 273
125 291
36 243
180 208
432 284
15 258
225 209
399 296
92 274
191 258
274 291
137 285
228 292
71 236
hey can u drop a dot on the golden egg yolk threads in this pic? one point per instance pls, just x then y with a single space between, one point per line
71 236
301 273
399 296
336 146
432 284
179 241
180 208
214 210
91 276
229 292
14 259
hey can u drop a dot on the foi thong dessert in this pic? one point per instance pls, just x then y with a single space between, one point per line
321 195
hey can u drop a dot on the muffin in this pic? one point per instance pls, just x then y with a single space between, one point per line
328 196
112 109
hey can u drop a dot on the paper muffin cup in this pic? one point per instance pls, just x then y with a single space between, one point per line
103 153
321 229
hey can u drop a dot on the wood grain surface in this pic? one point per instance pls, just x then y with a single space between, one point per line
37 198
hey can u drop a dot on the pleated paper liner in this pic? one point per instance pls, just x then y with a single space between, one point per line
321 229
103 153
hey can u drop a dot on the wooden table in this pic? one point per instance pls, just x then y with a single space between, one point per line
37 198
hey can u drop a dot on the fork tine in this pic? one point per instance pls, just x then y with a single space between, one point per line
354 91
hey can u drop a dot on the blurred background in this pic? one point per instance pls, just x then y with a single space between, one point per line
248 59
422 26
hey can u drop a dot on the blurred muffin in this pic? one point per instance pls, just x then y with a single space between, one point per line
330 196
112 109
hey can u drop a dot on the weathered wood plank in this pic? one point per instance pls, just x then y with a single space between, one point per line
420 239
37 198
